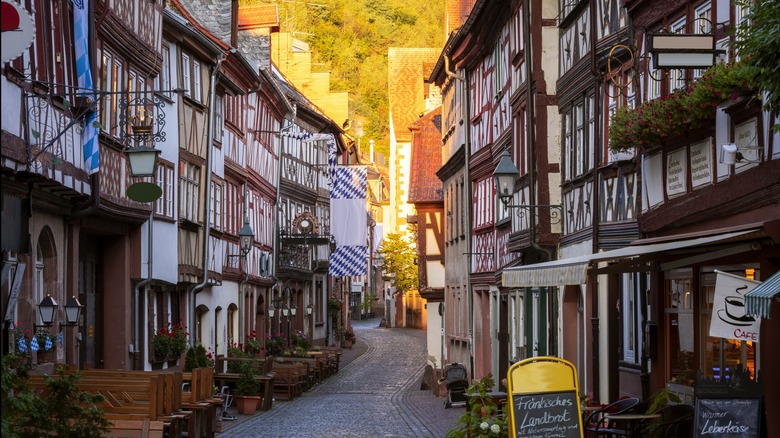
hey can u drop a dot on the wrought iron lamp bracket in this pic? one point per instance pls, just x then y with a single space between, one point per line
40 111
556 211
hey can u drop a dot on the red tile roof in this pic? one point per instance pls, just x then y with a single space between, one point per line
424 185
408 68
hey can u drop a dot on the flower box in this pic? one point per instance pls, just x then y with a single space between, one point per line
656 121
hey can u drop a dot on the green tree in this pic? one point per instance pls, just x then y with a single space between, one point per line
757 42
398 256
350 39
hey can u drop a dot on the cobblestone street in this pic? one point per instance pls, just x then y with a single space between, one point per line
375 394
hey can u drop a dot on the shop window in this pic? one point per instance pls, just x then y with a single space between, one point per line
721 356
633 285
678 304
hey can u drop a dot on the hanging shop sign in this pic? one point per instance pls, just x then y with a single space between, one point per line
18 31
729 319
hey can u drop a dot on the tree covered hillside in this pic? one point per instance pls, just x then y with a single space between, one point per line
350 39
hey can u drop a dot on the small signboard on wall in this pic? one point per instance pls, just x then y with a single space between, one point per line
544 397
676 172
701 163
726 417
729 407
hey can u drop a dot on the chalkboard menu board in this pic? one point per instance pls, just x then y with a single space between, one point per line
549 415
727 417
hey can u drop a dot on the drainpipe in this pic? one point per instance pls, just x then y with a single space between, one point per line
592 281
207 219
136 315
467 150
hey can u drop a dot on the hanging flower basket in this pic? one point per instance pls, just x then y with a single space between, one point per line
689 108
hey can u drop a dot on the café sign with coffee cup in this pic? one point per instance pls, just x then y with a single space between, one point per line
729 319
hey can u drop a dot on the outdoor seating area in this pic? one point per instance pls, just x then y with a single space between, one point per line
282 377
152 403
630 417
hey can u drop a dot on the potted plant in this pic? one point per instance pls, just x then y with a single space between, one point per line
162 344
178 340
247 388
234 350
300 340
349 338
482 417
252 344
273 344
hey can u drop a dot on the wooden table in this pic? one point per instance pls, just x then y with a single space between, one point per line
633 422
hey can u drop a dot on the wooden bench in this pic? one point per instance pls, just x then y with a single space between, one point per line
317 367
289 379
199 399
332 359
311 374
138 399
169 402
335 356
144 428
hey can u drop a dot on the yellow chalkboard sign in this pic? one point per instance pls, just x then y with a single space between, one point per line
544 397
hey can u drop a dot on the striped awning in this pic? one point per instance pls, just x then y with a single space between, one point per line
758 301
561 272
574 270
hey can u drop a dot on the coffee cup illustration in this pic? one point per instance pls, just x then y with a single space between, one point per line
735 307
733 311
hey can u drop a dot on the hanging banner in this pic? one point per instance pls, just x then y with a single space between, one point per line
729 319
348 221
90 144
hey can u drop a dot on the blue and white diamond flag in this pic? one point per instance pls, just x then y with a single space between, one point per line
34 344
90 144
348 220
59 339
22 345
47 345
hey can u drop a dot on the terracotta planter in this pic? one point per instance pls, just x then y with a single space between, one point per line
247 404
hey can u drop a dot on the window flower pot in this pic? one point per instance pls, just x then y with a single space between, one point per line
47 356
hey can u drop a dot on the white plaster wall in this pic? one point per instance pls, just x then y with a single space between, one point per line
434 333
164 251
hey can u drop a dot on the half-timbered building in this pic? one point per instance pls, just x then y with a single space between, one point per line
691 189
248 112
77 227
303 219
494 54
457 196
426 195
